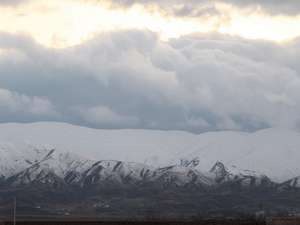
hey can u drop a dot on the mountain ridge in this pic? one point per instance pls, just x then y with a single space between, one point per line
54 167
50 181
273 152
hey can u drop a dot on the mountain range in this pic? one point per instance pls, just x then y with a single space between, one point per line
64 160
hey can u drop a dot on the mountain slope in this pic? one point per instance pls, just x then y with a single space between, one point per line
56 169
272 152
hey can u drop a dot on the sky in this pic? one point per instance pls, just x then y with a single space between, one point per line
194 65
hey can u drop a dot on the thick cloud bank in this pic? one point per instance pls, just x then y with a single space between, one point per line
131 79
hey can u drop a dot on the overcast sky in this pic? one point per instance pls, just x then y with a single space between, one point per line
153 64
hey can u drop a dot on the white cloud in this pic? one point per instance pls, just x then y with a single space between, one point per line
15 103
132 79
102 115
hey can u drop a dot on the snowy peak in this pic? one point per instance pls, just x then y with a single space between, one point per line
55 168
220 172
290 184
273 152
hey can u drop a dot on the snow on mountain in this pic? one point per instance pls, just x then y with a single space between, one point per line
15 159
295 182
145 146
56 168
273 152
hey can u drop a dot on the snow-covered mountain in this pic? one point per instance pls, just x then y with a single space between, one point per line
54 168
82 169
272 152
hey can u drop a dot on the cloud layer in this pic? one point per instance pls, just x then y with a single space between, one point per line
131 79
200 7
22 107
11 2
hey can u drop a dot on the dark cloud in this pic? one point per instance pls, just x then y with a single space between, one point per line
187 8
195 8
11 2
131 79
289 7
207 7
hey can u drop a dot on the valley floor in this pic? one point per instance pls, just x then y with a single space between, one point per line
76 221
84 222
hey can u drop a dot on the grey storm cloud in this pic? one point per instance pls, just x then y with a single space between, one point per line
11 2
200 7
196 8
188 8
131 79
290 7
